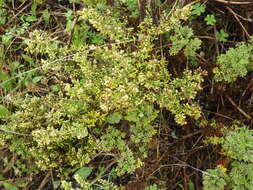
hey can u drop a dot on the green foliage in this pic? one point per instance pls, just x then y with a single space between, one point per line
44 137
46 15
132 6
85 185
178 91
16 30
221 36
107 24
183 40
9 186
238 145
151 187
191 186
19 169
40 42
241 175
127 163
114 118
3 12
113 139
100 100
215 179
210 19
141 118
215 140
83 33
198 9
93 3
101 86
69 16
84 172
4 111
236 62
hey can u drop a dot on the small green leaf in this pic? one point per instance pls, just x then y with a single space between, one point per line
2 20
69 15
56 184
46 15
14 65
31 18
173 135
4 111
21 184
55 88
210 20
181 186
221 36
9 186
69 25
4 76
36 79
198 9
84 172
33 8
28 59
114 118
191 186
27 83
2 54
4 83
132 116
6 38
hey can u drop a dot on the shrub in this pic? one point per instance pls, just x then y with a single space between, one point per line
111 98
236 62
238 145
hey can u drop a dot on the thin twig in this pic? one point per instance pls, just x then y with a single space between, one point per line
12 180
243 18
235 2
15 133
219 114
192 134
15 16
238 20
36 68
103 172
12 161
238 108
163 166
44 181
70 32
199 170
